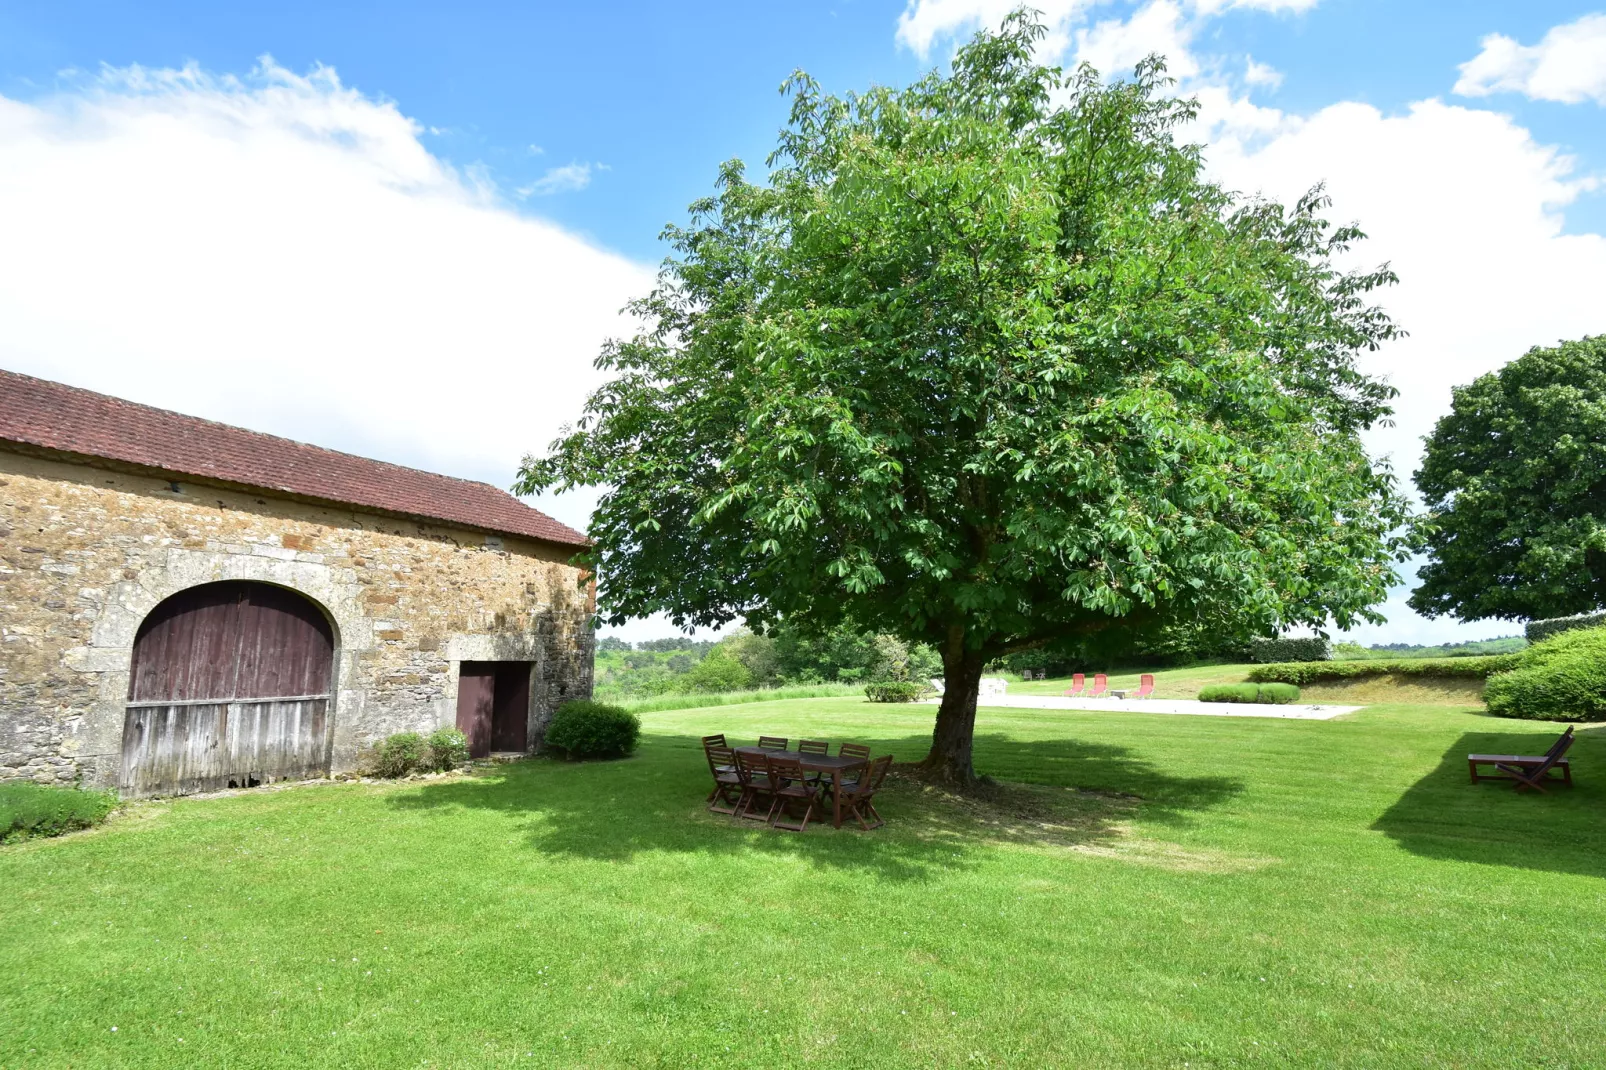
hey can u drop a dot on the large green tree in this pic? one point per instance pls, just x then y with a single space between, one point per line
989 364
1514 479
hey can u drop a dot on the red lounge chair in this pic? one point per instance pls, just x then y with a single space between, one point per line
1077 683
1145 686
1101 686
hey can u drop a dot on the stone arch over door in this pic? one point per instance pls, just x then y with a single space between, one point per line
230 685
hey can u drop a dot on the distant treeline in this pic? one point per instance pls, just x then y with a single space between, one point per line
1508 644
743 660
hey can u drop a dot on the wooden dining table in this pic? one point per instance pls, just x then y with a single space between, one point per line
815 763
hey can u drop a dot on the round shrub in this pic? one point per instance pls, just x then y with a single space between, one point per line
1277 694
28 810
446 749
897 691
1562 678
399 754
582 729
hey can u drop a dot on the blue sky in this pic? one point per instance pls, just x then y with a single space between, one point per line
424 217
661 93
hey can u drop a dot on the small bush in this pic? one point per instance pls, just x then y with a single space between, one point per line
445 749
1278 694
1303 673
29 810
398 755
1314 648
582 729
1562 678
1538 630
898 691
1230 693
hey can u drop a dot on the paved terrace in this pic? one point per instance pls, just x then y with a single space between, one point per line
1292 711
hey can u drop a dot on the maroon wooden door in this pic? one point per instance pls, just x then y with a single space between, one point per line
493 705
510 713
476 698
229 686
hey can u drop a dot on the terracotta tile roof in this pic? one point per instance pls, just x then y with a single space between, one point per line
54 416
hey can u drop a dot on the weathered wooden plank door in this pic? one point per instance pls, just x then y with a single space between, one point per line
510 712
476 704
229 687
493 705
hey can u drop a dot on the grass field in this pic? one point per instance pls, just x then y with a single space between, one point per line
1178 891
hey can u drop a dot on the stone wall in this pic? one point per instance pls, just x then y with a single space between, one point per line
86 553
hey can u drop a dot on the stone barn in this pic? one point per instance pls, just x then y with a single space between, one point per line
186 605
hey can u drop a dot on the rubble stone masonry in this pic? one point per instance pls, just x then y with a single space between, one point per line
86 552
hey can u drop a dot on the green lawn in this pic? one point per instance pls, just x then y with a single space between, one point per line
1222 892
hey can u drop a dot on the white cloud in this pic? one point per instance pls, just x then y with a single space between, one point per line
566 179
1567 65
1467 207
1261 73
1117 43
283 253
1114 46
925 22
1212 7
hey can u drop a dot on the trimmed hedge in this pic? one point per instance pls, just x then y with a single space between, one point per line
1313 648
898 691
399 754
1275 694
29 810
1544 629
583 729
1560 679
1303 673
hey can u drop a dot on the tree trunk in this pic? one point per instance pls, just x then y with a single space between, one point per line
951 739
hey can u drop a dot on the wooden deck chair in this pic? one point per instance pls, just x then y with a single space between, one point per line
1101 686
1527 771
791 784
859 799
1078 681
719 741
727 791
1145 686
753 771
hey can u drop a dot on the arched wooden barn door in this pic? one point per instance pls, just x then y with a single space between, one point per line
229 687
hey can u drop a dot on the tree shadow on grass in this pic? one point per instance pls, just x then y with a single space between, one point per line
1082 795
1444 815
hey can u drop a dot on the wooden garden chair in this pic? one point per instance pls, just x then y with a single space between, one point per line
1527 771
814 746
791 784
854 750
753 771
1078 682
772 742
719 741
727 793
858 796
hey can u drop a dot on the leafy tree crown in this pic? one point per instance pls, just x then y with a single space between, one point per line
1514 479
988 363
